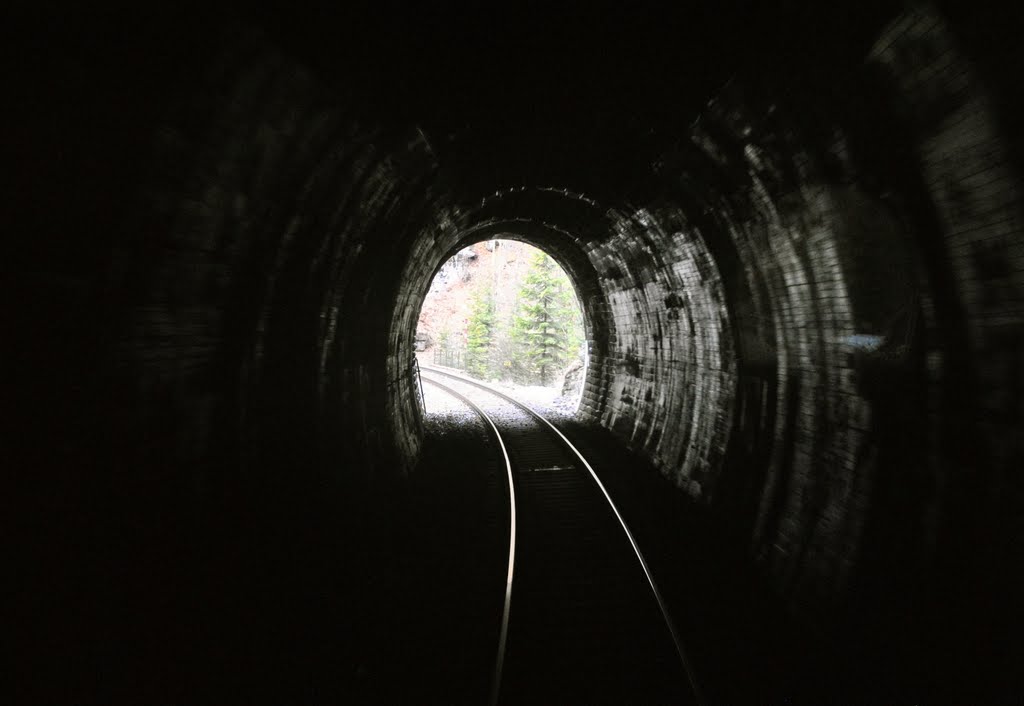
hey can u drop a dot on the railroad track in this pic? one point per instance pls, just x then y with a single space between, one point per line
583 621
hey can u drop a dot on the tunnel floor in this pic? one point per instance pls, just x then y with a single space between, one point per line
437 626
390 602
433 637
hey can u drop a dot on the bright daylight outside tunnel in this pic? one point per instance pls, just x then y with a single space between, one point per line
772 445
506 312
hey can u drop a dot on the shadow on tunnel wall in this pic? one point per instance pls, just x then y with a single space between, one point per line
805 311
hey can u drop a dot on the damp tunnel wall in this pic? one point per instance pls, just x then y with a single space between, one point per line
806 314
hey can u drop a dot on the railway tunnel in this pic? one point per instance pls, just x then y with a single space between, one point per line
795 232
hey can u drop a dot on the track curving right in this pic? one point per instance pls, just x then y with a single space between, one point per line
586 624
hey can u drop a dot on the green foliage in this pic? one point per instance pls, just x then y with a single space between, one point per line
444 338
547 327
528 329
446 352
480 334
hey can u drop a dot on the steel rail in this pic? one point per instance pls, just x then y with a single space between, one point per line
499 660
676 639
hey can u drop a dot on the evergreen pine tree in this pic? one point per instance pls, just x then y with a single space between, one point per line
480 334
546 327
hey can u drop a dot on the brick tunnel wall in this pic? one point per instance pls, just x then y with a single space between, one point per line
672 360
302 208
237 340
862 302
811 323
793 323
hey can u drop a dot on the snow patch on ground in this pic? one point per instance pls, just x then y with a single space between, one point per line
443 409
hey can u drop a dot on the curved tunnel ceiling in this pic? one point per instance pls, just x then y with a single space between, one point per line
572 97
796 235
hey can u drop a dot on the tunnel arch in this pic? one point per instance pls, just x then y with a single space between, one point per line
745 195
420 270
630 291
237 334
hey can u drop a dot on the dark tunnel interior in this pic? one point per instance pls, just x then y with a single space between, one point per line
796 232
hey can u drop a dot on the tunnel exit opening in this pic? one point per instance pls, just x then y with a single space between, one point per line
505 312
